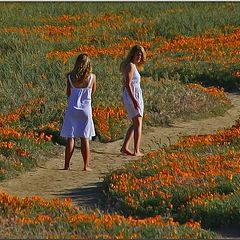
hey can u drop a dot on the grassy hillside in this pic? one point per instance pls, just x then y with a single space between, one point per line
40 42
187 44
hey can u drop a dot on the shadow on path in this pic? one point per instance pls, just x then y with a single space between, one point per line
228 232
88 196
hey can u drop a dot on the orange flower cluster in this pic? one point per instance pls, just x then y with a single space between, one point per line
108 220
7 132
23 211
22 152
15 30
236 74
212 46
51 125
205 47
193 224
64 18
46 32
29 107
119 236
70 18
36 211
215 46
23 206
169 170
174 169
38 219
114 21
114 50
8 145
12 133
104 117
221 137
23 111
55 33
216 92
203 199
105 18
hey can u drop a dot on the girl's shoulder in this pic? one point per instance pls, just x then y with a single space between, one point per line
131 66
92 77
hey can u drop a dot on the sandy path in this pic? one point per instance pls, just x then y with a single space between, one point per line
50 181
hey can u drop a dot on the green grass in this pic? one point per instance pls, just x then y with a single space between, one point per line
30 31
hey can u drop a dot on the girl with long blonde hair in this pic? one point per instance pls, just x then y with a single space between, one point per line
132 97
78 122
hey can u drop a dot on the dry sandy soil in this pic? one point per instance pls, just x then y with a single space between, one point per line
50 181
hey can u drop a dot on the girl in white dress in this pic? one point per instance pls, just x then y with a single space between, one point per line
132 97
78 122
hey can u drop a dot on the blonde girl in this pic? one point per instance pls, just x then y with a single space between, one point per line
132 97
78 122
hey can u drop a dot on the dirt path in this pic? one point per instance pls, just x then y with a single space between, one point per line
50 181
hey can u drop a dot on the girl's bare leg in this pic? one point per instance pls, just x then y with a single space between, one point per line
126 142
85 150
69 152
137 126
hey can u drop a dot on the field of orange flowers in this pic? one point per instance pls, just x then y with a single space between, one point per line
37 52
196 179
187 44
37 218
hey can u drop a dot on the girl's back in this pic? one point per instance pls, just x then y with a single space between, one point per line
78 116
80 97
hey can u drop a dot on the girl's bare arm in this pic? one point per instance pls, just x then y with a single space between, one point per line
68 89
128 79
94 85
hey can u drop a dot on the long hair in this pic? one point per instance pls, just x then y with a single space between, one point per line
82 69
131 54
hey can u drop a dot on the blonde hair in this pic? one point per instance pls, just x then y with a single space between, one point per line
82 69
131 54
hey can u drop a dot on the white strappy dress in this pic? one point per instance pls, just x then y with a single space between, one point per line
78 120
137 91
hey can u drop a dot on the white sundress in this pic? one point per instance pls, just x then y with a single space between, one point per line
137 91
78 120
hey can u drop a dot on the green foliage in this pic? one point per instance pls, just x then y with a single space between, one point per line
195 18
215 213
208 74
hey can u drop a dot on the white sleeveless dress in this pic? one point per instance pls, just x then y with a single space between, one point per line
78 120
137 91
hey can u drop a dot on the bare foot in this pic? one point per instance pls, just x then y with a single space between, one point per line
126 152
87 169
139 154
66 168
